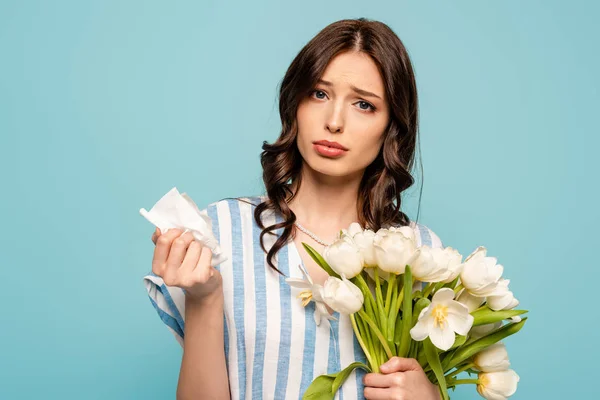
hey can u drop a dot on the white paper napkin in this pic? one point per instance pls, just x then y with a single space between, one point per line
175 210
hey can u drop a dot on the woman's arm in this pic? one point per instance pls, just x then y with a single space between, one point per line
203 371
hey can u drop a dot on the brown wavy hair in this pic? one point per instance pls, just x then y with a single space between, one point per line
379 197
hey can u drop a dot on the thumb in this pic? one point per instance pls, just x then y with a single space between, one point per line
400 364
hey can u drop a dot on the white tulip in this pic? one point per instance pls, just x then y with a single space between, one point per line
497 385
364 241
493 358
344 256
342 295
506 301
472 302
480 331
436 264
441 319
394 248
383 275
455 265
353 229
312 292
481 275
406 230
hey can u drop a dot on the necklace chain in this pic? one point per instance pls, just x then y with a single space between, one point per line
312 235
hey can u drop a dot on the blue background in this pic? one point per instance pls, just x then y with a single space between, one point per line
106 105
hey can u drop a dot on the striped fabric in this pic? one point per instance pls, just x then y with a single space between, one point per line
273 347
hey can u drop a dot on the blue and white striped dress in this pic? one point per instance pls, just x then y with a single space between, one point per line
273 347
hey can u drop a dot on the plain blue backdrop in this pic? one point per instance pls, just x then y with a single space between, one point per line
106 105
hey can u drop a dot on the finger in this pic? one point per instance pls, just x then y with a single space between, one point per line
178 250
189 262
162 250
171 275
376 380
156 235
400 364
376 393
204 271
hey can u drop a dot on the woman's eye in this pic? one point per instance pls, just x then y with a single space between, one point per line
363 105
318 93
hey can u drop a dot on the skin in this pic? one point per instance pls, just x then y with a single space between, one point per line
327 199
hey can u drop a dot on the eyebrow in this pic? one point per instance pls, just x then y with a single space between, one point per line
357 90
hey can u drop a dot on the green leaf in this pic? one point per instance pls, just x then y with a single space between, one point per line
398 331
447 358
393 314
406 313
458 341
475 347
485 315
381 316
321 388
377 332
434 361
421 358
413 349
390 287
319 260
420 305
345 373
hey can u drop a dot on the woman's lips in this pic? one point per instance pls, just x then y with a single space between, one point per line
328 151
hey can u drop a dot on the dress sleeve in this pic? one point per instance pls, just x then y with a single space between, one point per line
169 301
428 237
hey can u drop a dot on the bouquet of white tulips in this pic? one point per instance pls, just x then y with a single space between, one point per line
418 302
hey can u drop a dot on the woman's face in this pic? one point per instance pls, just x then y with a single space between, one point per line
347 106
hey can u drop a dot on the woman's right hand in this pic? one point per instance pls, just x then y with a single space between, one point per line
182 261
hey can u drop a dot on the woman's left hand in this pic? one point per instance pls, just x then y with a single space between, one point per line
400 378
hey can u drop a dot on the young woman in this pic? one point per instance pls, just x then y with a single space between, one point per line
348 106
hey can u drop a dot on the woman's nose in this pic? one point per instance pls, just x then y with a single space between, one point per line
335 122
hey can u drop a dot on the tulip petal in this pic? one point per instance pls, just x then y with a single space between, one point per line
298 283
443 295
442 338
489 394
459 320
421 329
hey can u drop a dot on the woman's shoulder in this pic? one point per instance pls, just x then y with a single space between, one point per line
425 235
231 210
252 200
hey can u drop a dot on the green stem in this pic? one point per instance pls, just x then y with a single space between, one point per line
368 338
393 314
400 297
480 308
369 300
458 288
374 366
382 317
464 382
391 284
360 282
406 314
377 332
462 369
428 289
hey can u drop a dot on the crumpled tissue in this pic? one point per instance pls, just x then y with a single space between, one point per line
178 210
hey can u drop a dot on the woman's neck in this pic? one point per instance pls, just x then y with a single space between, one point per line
325 204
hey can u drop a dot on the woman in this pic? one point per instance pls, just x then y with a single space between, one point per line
348 106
